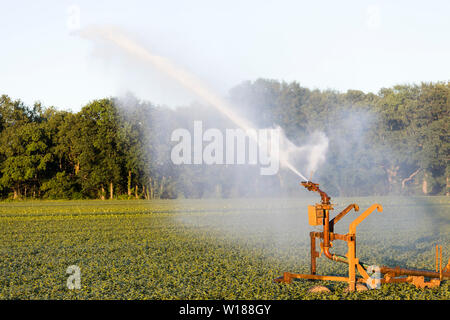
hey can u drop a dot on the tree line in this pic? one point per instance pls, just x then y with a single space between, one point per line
392 142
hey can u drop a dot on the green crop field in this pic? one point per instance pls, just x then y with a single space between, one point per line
206 249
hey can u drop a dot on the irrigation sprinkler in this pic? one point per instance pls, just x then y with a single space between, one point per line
319 214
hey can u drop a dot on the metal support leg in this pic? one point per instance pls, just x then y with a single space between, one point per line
313 253
351 265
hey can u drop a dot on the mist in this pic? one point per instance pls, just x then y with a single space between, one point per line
312 153
334 141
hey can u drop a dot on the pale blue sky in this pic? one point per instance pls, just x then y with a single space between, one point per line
338 45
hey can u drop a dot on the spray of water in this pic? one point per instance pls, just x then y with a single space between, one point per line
187 80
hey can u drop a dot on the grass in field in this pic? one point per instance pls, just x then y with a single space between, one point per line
206 249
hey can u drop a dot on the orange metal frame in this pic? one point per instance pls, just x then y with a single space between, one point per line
320 214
